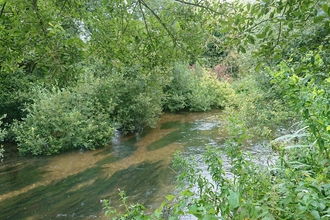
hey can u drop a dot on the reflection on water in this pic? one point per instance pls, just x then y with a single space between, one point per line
71 185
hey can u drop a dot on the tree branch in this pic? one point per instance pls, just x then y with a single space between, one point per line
36 9
124 28
159 20
3 8
280 28
62 7
146 25
198 5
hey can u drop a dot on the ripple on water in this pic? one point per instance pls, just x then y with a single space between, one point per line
45 187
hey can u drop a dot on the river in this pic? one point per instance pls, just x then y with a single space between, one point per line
70 185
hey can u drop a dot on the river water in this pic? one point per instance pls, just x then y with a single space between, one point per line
70 185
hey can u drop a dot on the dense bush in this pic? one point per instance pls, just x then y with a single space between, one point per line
137 95
85 116
13 87
64 119
309 90
259 107
196 90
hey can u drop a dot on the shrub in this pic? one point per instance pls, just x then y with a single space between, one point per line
196 90
64 119
137 95
261 110
85 116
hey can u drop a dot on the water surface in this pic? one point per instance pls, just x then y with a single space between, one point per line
70 185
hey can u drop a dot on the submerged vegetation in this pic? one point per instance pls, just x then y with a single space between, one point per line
74 71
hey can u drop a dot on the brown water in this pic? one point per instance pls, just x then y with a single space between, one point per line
70 185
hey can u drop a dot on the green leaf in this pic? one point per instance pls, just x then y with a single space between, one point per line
233 199
328 128
187 193
262 35
291 25
325 8
258 67
242 49
251 39
170 197
315 214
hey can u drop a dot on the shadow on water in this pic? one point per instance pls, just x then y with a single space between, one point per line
71 185
79 195
19 175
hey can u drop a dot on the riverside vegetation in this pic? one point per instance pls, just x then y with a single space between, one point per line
101 66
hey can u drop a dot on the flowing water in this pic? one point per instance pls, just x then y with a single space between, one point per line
70 185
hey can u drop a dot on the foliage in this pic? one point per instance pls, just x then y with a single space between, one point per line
309 92
40 42
39 39
294 184
3 133
196 90
61 119
137 97
85 116
13 95
296 187
135 211
258 107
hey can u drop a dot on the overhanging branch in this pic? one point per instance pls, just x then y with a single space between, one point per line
199 6
146 25
159 20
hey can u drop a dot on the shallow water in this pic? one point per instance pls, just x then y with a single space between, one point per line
70 185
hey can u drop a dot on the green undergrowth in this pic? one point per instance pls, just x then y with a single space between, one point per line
294 184
196 89
85 116
257 107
